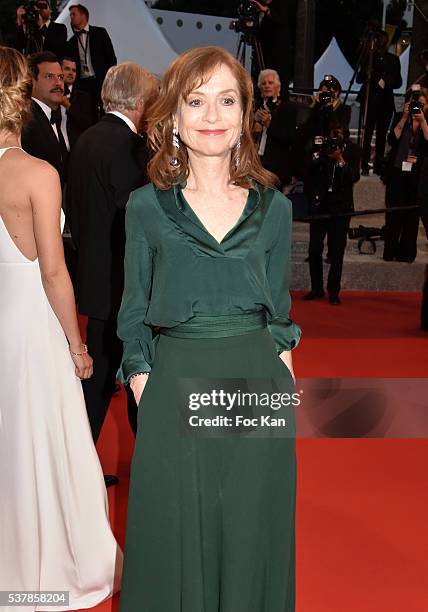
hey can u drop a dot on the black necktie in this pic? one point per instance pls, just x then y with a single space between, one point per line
56 120
44 30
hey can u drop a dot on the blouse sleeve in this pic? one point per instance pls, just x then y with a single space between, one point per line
284 331
137 336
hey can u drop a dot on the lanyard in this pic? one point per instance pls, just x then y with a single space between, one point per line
84 48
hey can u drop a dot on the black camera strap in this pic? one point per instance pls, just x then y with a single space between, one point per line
85 46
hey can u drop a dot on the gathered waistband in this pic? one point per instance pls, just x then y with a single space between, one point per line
221 326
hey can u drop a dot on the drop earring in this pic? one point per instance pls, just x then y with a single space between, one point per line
175 143
237 152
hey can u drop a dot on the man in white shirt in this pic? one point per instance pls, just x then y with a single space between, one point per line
107 163
47 134
76 103
92 50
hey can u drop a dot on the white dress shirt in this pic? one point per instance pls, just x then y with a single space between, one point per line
124 118
48 111
82 44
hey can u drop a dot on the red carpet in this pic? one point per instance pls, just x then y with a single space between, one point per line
362 507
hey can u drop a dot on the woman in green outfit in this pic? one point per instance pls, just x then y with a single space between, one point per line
211 517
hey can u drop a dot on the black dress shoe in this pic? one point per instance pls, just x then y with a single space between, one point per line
334 299
313 295
110 480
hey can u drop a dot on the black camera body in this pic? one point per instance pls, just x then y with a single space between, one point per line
325 97
415 107
32 13
331 145
248 18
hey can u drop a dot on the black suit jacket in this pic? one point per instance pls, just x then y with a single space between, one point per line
107 163
38 139
55 39
79 113
101 50
280 138
386 66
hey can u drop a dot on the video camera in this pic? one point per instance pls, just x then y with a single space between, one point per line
248 18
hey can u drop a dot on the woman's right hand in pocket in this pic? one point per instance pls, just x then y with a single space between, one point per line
137 385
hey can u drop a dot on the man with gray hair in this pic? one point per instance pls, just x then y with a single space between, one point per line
107 163
274 127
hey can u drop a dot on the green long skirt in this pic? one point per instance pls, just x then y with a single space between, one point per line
211 521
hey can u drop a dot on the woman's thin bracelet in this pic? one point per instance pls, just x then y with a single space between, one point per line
138 374
84 351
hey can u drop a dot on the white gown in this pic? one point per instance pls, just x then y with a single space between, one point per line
54 528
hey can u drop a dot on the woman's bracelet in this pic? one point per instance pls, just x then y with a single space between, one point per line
137 374
84 351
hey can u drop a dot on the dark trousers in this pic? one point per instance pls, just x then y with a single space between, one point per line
401 226
106 351
336 230
380 118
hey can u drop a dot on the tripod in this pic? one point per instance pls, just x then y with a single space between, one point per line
249 39
367 51
33 43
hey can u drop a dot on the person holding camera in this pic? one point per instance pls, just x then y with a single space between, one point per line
332 173
274 127
47 35
384 78
327 110
409 148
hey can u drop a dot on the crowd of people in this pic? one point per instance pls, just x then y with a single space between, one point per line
178 247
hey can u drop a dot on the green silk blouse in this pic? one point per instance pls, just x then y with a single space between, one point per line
175 269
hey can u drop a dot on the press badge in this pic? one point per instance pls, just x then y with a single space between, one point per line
407 165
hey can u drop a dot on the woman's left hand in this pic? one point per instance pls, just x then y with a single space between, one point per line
286 358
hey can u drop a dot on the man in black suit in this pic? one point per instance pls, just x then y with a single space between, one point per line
275 127
76 103
333 171
92 50
51 132
107 163
46 135
49 36
385 77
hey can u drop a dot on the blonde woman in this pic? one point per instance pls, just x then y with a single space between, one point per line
54 529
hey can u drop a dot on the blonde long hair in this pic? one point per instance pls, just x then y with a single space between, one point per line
15 90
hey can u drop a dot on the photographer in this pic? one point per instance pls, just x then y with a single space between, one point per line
327 110
274 127
33 19
409 147
332 173
385 77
